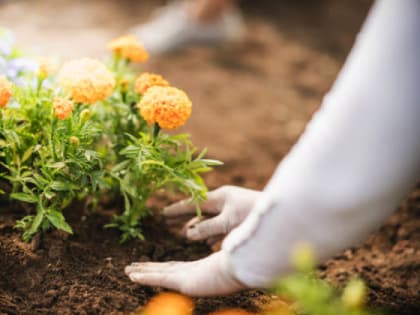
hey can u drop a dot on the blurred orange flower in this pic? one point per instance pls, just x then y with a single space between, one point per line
129 47
169 304
87 80
234 311
168 106
5 91
147 80
62 108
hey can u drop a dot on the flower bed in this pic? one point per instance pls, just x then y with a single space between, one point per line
93 131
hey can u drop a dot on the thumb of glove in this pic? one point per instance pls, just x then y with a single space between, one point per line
207 228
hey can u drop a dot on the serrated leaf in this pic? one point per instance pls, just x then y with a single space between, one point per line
27 154
57 220
36 223
119 167
211 162
62 186
57 165
24 197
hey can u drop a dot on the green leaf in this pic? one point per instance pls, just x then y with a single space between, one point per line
211 162
24 197
119 167
57 165
131 149
27 154
57 219
36 223
62 186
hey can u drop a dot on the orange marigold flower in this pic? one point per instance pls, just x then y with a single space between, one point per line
147 80
87 80
234 311
129 47
165 105
62 108
5 91
169 304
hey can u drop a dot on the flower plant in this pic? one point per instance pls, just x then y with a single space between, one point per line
310 295
95 130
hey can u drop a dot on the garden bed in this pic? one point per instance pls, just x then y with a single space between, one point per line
83 274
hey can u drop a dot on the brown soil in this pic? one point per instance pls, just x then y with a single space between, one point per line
389 261
251 102
84 273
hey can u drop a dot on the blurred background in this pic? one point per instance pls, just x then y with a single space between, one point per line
251 101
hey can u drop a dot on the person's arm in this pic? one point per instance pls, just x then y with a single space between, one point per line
358 157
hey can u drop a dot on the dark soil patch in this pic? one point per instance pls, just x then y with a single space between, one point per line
84 273
389 261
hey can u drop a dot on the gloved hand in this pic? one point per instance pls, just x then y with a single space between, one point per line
228 206
211 275
204 277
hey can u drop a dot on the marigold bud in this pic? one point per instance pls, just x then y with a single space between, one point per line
124 85
74 141
44 68
85 114
129 47
169 107
354 294
5 91
303 257
169 304
86 80
62 107
147 80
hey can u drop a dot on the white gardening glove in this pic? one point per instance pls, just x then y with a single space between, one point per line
212 275
227 207
205 277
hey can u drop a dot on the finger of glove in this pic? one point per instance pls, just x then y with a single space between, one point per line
213 204
207 228
159 279
178 220
189 224
150 266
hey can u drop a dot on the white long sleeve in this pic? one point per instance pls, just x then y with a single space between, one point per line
357 159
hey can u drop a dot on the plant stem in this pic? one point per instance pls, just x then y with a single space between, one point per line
156 129
39 85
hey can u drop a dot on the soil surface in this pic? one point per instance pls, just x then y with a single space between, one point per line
251 103
84 273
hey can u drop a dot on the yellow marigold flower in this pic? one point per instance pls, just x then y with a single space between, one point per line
87 80
165 105
147 80
129 47
62 108
169 304
5 91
